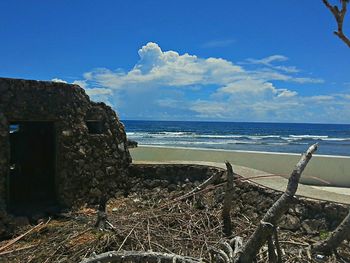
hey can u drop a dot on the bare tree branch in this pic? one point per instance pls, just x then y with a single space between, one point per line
272 216
205 184
226 217
271 250
339 16
139 256
101 221
336 238
278 248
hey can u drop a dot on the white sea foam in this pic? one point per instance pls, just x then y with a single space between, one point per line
307 136
230 138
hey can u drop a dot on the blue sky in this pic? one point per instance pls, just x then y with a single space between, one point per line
272 61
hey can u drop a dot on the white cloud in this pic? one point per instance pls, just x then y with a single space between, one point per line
320 98
159 68
81 83
59 80
169 68
288 69
209 109
268 60
307 80
166 83
98 91
284 93
251 86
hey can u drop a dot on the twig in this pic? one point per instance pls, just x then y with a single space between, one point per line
122 244
11 242
149 236
16 249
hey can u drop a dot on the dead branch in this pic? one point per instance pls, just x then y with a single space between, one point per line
226 217
271 250
101 221
203 185
277 245
139 256
330 245
272 216
228 251
16 250
11 242
339 16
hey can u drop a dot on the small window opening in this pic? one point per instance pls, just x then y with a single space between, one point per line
14 128
95 127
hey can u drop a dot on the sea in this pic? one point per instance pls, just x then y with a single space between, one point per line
333 139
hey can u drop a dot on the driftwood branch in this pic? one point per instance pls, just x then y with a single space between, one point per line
271 250
228 252
139 256
272 216
335 239
277 245
339 16
226 217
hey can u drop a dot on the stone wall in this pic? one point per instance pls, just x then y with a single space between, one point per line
4 155
309 216
85 163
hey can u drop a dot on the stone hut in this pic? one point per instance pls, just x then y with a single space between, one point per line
57 146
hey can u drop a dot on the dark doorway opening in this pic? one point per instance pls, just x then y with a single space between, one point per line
31 182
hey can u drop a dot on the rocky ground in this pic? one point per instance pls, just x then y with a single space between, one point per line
156 220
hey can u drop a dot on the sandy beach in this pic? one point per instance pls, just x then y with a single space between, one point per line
323 170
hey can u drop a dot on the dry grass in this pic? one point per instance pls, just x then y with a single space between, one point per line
154 220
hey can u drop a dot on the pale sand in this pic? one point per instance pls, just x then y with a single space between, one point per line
321 169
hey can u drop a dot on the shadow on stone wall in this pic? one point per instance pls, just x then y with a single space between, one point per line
253 200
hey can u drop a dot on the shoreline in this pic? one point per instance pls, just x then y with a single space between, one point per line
239 151
323 170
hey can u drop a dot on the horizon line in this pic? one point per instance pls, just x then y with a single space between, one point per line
223 121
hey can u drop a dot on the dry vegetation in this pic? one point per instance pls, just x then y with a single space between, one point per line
153 220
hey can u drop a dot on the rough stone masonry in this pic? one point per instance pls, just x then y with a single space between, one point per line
90 145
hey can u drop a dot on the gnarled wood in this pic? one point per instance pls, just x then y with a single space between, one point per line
335 239
101 221
139 256
226 209
339 16
272 216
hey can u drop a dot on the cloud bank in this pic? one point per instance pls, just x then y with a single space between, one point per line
173 86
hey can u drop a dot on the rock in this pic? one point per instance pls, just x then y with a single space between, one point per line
20 221
299 210
110 170
121 146
172 187
132 144
290 222
313 226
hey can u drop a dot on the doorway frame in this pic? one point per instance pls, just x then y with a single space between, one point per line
55 158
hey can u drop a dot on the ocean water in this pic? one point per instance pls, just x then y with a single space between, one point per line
333 139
